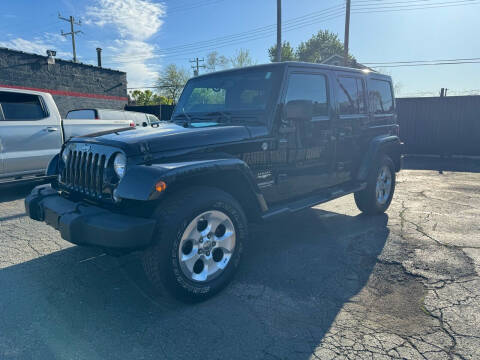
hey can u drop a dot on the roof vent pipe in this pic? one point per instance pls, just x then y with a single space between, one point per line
99 57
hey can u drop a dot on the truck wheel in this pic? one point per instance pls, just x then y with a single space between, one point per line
378 194
198 243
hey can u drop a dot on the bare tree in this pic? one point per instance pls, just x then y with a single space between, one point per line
215 61
242 58
171 81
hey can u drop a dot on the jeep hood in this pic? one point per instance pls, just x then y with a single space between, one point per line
166 137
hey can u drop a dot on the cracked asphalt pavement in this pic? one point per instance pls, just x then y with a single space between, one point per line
327 283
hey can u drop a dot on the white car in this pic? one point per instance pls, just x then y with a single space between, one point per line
32 132
140 119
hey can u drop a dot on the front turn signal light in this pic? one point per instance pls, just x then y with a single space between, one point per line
160 186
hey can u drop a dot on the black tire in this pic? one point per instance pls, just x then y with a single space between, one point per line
366 199
161 260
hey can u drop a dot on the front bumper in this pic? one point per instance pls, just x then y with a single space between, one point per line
84 224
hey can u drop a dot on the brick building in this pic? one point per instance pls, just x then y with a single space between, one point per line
73 85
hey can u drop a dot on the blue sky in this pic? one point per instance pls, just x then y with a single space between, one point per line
138 35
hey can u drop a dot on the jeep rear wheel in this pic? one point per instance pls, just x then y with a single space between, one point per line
198 244
378 194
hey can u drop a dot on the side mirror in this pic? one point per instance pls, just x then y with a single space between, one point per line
299 110
144 124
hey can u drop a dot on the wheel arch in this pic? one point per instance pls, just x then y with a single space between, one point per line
231 181
232 176
385 144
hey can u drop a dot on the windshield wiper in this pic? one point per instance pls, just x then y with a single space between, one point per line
185 115
227 116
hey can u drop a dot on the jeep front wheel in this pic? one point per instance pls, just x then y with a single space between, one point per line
199 243
378 194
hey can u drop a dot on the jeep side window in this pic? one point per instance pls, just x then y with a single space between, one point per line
22 107
380 96
351 99
311 87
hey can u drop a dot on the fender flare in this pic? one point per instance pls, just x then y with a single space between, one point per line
139 180
384 143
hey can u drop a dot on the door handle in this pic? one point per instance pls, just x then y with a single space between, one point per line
51 129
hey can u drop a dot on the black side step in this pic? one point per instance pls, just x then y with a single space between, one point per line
319 198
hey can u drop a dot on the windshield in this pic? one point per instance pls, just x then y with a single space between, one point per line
230 93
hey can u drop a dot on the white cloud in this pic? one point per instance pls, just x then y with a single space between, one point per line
135 21
36 46
134 57
54 37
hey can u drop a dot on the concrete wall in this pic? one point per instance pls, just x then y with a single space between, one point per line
72 85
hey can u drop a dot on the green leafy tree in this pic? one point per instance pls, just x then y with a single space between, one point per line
318 48
288 52
171 81
148 97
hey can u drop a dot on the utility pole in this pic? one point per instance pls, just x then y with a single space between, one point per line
196 67
347 33
72 32
279 30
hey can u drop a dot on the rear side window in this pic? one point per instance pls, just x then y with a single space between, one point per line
380 96
140 118
112 115
85 114
311 87
22 107
351 96
152 118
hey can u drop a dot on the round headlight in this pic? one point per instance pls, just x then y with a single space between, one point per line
120 164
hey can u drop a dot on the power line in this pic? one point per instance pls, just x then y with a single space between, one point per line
431 64
180 9
367 10
249 36
219 45
297 23
255 30
409 4
417 61
268 32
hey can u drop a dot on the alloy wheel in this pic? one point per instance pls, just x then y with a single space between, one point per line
206 246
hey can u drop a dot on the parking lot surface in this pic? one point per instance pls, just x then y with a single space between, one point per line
326 283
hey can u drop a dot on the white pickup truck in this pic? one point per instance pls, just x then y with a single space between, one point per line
32 132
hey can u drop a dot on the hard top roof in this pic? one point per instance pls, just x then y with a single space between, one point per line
299 64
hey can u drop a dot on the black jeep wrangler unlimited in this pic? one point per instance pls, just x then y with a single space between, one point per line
243 145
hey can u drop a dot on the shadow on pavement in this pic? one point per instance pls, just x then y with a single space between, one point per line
296 275
442 164
15 192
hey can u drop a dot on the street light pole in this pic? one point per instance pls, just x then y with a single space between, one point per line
279 30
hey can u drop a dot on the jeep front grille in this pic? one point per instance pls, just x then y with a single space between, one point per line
86 171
